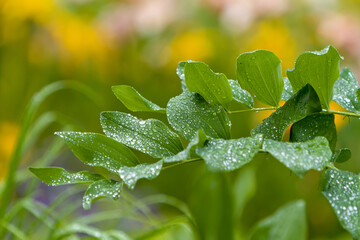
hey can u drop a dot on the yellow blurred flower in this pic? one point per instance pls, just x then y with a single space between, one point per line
77 39
8 136
275 36
192 45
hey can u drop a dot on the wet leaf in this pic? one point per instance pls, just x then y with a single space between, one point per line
134 101
259 72
241 95
130 175
56 176
317 124
300 157
150 136
190 151
189 112
213 87
345 91
98 150
180 73
228 155
303 103
320 69
289 222
341 156
342 189
288 92
105 188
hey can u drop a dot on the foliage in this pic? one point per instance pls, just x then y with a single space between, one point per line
199 116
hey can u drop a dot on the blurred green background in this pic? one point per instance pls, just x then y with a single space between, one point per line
101 43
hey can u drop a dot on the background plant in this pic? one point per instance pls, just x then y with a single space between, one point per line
200 115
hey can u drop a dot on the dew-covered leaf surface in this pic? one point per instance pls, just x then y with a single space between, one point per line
345 91
300 157
228 155
288 91
105 188
317 124
341 155
303 103
150 136
259 72
342 189
289 222
130 175
213 87
320 69
56 176
241 95
189 112
190 151
99 150
134 101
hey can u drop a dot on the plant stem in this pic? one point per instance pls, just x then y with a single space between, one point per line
253 110
182 162
349 114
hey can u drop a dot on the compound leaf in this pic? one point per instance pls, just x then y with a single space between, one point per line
241 95
134 101
98 150
320 69
214 87
317 124
228 155
342 189
56 176
289 222
150 136
189 112
105 188
300 157
303 103
130 175
259 72
345 91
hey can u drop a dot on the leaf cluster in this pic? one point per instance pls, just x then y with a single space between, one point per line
200 117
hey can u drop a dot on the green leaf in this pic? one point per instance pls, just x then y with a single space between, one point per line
341 156
214 87
346 90
98 150
288 91
320 69
134 101
240 95
150 136
56 176
228 155
259 72
342 189
189 112
130 175
300 157
358 94
317 124
303 103
105 188
289 222
190 151
180 73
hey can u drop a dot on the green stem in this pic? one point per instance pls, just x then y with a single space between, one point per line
331 165
253 110
181 163
349 114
